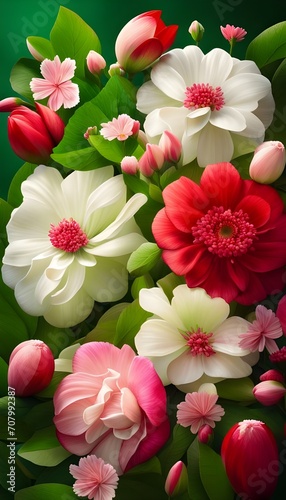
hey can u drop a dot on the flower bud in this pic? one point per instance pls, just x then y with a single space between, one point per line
281 313
34 52
177 480
249 448
205 434
90 131
129 165
269 392
152 159
31 367
196 30
95 62
10 103
268 162
34 134
115 69
171 146
272 375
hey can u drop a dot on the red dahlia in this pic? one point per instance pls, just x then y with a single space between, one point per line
226 235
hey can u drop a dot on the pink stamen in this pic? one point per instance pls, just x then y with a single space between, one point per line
225 233
201 95
68 236
198 342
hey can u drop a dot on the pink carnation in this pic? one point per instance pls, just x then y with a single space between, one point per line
230 32
198 409
94 478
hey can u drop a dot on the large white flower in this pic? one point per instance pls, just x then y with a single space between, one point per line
69 242
191 340
218 106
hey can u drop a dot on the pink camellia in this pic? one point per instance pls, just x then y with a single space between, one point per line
250 456
113 405
31 367
142 40
226 235
34 134
268 162
269 392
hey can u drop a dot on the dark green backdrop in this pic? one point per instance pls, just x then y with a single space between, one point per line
19 19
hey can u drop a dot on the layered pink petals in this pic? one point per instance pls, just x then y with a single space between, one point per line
94 478
198 409
142 40
225 226
102 405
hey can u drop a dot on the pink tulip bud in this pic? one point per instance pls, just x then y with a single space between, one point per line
177 480
95 62
268 162
171 146
31 367
196 30
250 456
142 40
205 434
281 313
129 165
34 134
35 53
272 375
269 392
10 103
152 159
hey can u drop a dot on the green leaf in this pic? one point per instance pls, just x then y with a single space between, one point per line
56 338
213 475
148 486
21 75
175 448
236 389
117 97
43 448
155 193
43 46
277 129
113 150
49 391
72 37
5 214
13 330
15 196
3 377
145 281
81 159
106 325
268 46
196 488
128 325
9 453
41 415
46 492
143 259
169 282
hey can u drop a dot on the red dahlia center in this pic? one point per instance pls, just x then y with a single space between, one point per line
201 95
225 233
68 236
199 342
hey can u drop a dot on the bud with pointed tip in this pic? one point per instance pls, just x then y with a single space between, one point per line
196 31
152 159
130 165
269 392
268 162
10 103
171 146
177 480
95 62
205 434
34 52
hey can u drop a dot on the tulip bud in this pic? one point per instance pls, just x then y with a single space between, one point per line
268 162
196 30
152 159
10 103
95 62
205 434
269 392
281 313
115 69
34 52
90 131
129 165
272 375
250 456
171 146
34 134
31 367
177 480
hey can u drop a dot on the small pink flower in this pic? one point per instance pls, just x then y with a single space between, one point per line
262 332
171 146
205 434
268 162
199 408
56 83
230 33
94 478
120 128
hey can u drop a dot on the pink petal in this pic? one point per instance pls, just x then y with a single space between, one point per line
70 419
70 94
132 35
51 70
67 70
75 387
75 444
145 54
55 100
41 88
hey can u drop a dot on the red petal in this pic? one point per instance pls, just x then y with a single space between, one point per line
257 208
266 256
267 193
222 184
238 274
144 55
166 35
184 260
166 234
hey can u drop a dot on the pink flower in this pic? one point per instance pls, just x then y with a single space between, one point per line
95 62
268 162
103 405
95 479
171 146
34 134
152 159
278 356
56 83
248 450
31 367
230 33
142 40
177 480
281 313
225 226
262 332
205 434
198 409
120 128
269 392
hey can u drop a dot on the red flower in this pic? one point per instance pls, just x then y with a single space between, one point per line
226 235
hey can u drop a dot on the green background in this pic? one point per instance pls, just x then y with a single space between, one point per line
19 19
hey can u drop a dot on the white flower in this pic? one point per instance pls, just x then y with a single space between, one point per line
191 341
218 106
69 242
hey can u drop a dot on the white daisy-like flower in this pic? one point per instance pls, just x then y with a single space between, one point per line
69 242
218 106
191 340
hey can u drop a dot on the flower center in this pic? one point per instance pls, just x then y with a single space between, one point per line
68 236
198 342
201 95
225 233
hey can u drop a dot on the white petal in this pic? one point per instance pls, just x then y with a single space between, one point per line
190 147
44 186
265 110
20 253
229 119
11 275
149 97
106 195
254 127
74 278
194 386
226 336
197 120
214 146
155 301
224 366
70 313
123 245
31 220
157 338
243 91
215 67
161 366
185 368
168 80
107 281
245 66
169 118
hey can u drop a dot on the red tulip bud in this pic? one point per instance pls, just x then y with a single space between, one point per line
10 103
205 434
250 456
31 367
177 480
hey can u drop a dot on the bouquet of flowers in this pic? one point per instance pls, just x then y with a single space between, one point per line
143 313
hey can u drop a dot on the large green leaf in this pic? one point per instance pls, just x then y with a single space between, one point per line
129 322
43 448
21 75
213 475
196 488
236 389
46 492
72 37
176 447
277 129
105 329
268 46
143 259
